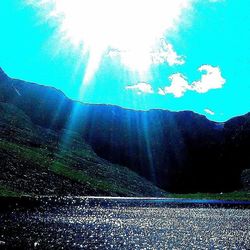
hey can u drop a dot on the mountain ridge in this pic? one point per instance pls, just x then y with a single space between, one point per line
113 105
178 151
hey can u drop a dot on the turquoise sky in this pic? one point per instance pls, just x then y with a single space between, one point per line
214 33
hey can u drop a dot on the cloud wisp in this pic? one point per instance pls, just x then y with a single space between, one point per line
166 54
141 88
209 111
211 79
179 85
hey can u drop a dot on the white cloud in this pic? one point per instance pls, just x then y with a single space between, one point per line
166 53
163 53
179 85
212 79
140 88
209 111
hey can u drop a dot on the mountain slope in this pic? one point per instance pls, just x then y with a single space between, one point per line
34 160
178 151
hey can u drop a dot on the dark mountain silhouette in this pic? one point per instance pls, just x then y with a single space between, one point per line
178 151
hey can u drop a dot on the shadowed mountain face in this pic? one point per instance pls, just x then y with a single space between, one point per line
178 151
40 161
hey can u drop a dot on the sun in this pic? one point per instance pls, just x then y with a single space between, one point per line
128 30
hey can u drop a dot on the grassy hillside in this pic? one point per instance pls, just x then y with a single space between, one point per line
36 160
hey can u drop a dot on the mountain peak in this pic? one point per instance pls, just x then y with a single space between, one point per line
3 75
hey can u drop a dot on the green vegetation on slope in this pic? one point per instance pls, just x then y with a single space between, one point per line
7 192
59 165
39 161
82 177
237 195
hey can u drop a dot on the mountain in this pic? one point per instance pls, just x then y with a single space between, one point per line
36 160
177 151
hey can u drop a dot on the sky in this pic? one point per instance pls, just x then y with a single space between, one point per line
144 54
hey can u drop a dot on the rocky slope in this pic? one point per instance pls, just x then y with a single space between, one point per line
35 160
178 151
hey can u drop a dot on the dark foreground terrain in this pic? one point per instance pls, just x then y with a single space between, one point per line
116 223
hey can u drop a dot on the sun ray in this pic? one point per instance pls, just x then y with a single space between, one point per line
133 29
